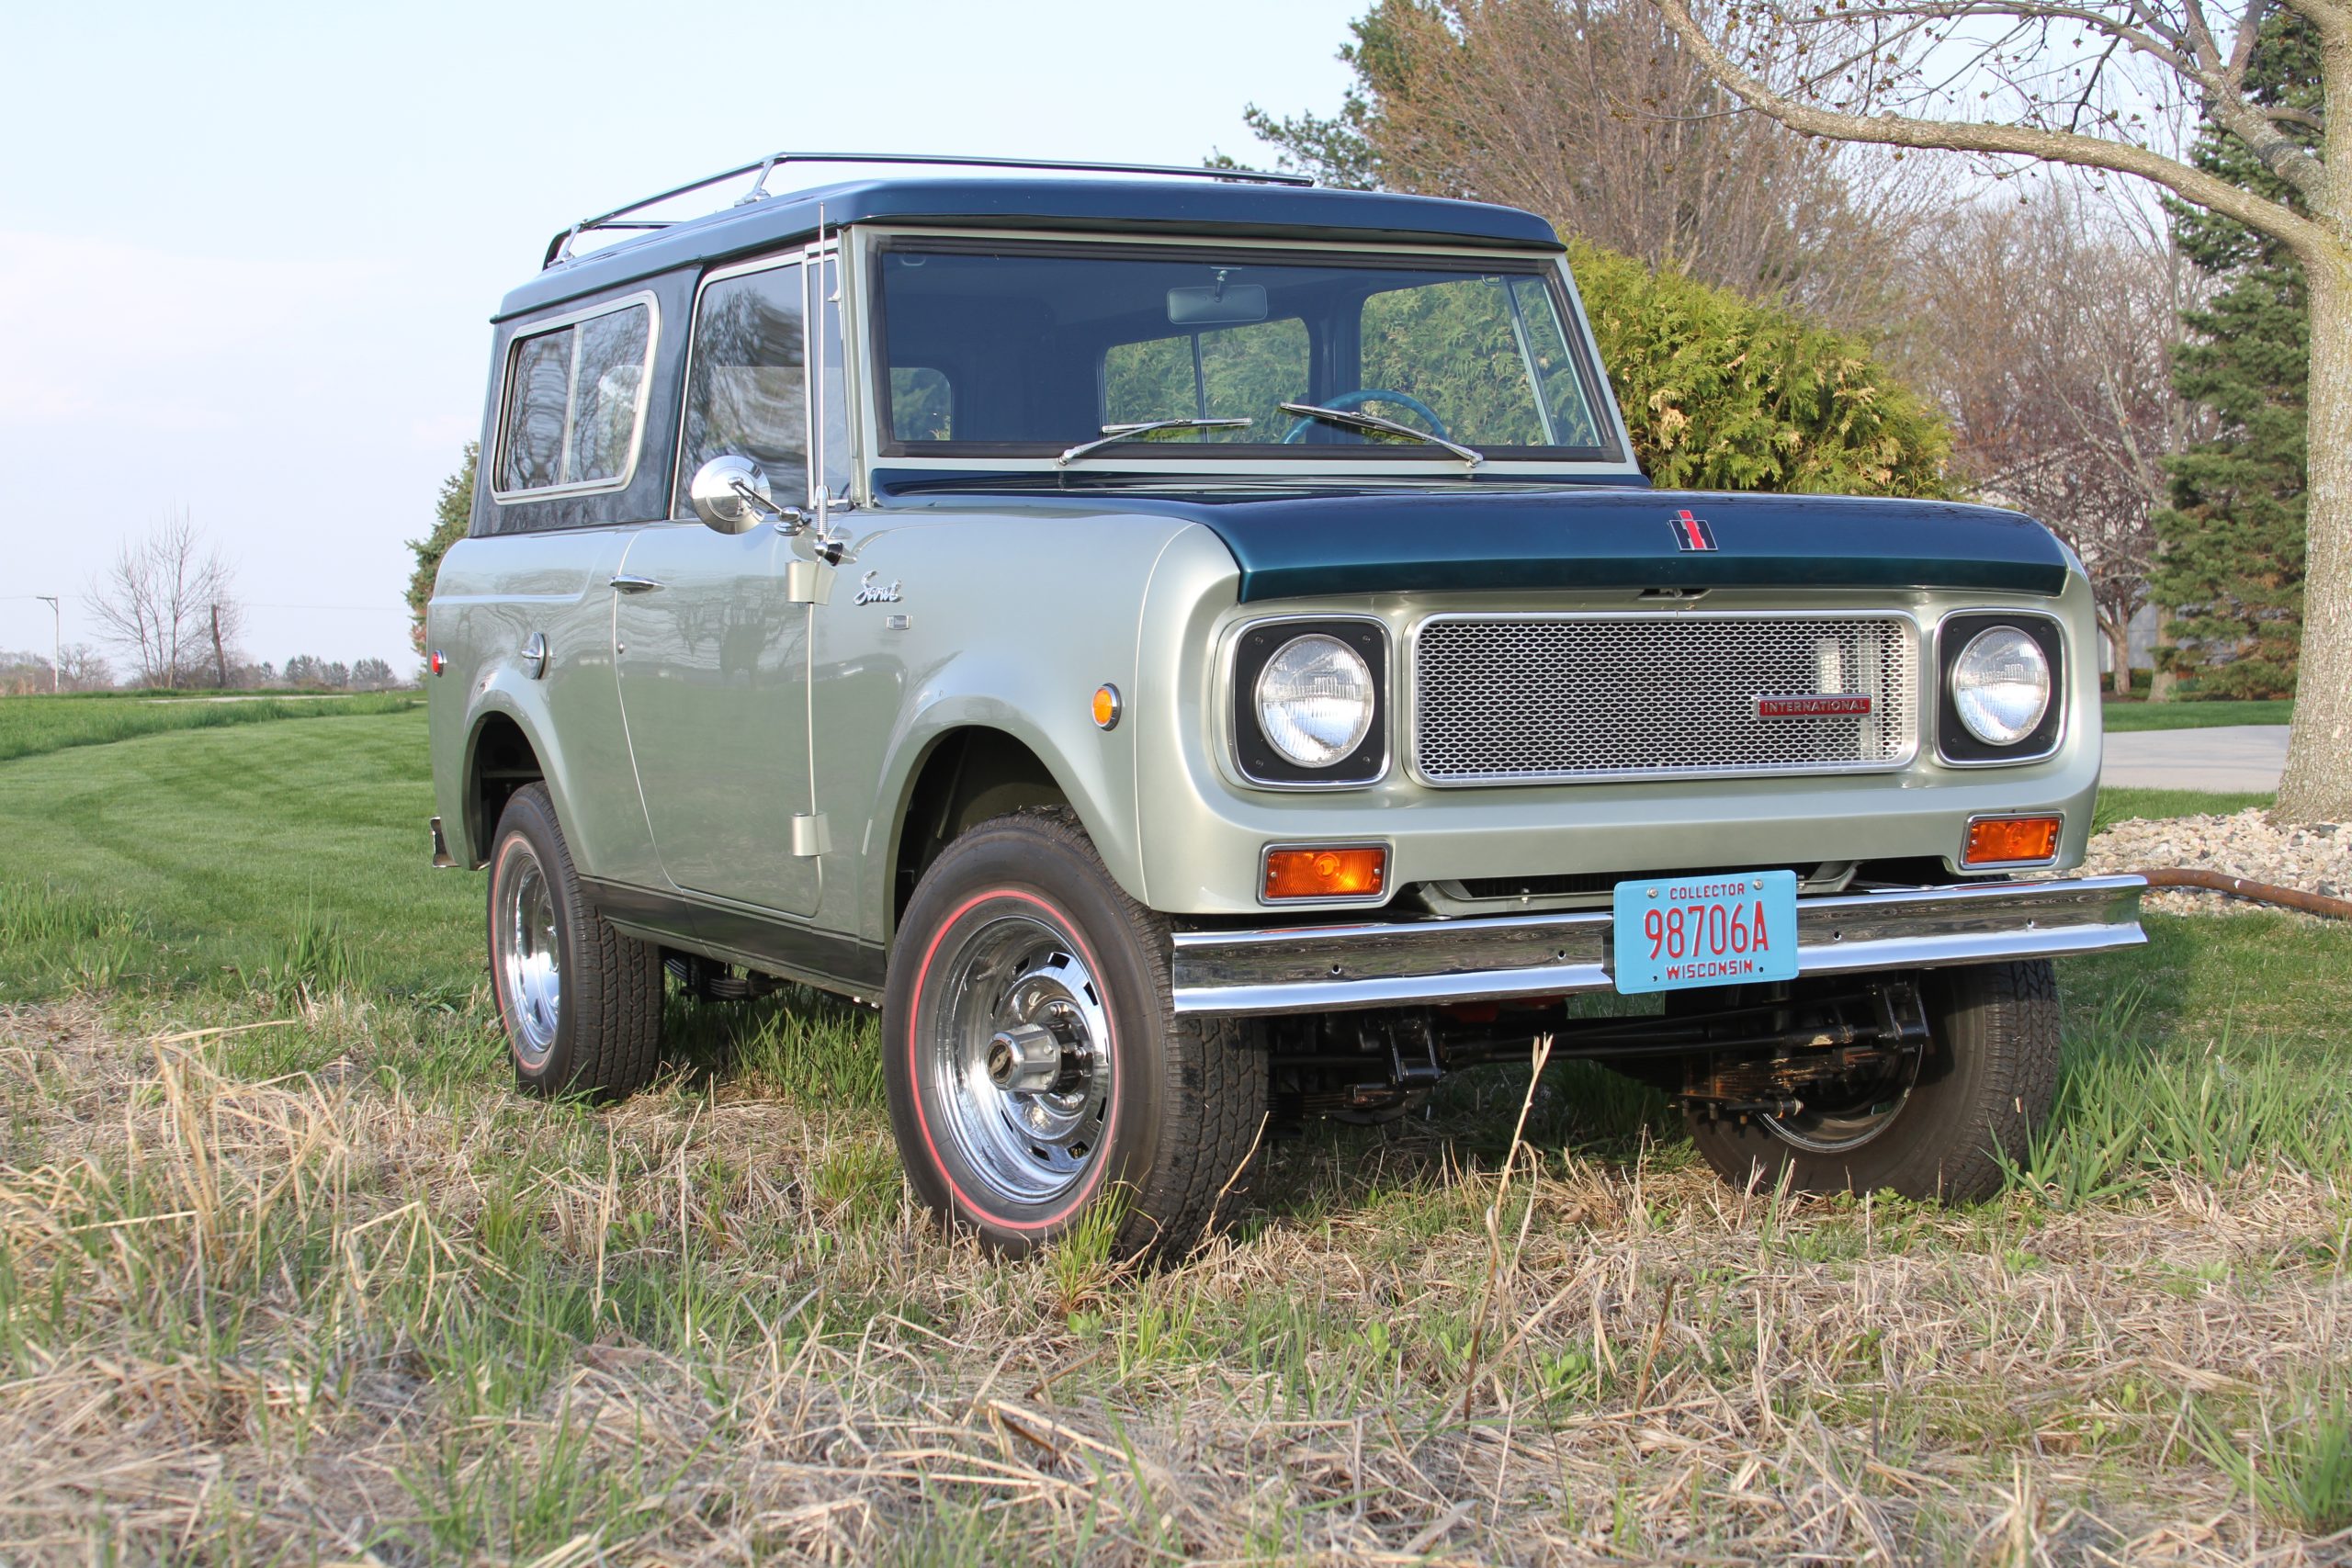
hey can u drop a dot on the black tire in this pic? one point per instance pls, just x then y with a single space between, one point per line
1984 1088
1018 925
599 1032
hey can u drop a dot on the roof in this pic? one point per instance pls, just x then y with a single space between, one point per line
1209 208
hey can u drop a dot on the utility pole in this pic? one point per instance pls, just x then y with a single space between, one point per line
56 643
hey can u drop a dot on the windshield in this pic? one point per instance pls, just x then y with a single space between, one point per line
1022 349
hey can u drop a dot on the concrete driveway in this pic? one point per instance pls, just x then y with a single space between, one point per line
2232 757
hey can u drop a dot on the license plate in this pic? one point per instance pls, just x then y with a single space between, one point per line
1673 933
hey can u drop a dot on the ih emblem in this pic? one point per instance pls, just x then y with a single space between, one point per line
1693 532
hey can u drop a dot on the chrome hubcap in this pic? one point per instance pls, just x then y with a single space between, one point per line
530 963
1018 1068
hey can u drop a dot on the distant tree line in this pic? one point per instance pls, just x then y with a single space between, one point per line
78 667
167 607
84 669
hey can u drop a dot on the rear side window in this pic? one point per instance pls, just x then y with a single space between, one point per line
574 405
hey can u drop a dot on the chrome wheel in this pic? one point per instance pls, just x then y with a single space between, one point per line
1018 1063
1848 1119
530 962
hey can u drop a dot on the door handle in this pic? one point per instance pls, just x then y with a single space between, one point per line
628 584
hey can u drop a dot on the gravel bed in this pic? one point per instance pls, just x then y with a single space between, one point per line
2315 858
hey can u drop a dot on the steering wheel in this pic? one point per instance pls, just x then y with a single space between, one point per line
1356 400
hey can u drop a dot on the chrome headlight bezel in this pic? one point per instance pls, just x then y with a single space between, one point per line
1957 744
1255 757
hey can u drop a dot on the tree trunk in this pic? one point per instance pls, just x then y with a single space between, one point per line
2118 632
219 659
2161 683
2317 786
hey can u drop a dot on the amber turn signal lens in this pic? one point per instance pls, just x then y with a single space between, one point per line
1106 706
2011 841
1326 873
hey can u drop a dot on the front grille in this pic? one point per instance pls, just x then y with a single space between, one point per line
1524 699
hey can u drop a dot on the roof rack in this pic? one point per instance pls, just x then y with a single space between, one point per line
560 246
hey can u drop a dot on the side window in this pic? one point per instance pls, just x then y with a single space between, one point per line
922 404
575 404
746 388
1227 373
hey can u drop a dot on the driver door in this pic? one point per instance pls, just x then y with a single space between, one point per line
713 652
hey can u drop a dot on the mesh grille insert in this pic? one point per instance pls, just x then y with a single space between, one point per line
1503 701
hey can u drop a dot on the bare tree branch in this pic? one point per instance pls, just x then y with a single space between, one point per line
2306 234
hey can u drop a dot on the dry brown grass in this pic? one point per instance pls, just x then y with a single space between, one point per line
330 1316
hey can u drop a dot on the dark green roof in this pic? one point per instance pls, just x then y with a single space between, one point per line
1208 208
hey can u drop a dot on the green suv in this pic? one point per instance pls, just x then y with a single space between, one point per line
1197 652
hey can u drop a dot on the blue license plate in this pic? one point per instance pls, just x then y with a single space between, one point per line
1673 933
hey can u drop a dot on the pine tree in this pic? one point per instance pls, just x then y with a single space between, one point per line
2232 541
452 514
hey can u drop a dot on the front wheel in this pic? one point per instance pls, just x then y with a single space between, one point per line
1036 1067
1936 1128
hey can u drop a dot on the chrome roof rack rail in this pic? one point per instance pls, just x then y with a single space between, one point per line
560 246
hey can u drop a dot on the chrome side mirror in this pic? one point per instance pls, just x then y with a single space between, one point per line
730 494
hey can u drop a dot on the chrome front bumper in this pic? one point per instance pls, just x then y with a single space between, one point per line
1321 968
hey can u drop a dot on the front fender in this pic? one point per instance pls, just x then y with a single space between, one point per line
1093 770
1012 615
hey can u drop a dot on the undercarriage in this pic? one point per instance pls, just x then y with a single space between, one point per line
1772 1051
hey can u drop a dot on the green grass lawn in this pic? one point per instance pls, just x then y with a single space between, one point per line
30 726
2120 804
203 858
2123 716
327 1288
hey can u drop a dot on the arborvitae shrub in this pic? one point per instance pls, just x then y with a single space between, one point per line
1724 393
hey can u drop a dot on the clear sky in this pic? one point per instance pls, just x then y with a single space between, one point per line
248 253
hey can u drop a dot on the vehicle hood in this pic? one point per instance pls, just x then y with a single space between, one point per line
1293 546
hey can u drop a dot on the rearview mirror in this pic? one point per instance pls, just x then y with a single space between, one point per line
1216 304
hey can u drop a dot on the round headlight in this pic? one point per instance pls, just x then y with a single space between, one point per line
1314 700
2000 686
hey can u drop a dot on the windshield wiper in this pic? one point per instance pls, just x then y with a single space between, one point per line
1114 433
1352 420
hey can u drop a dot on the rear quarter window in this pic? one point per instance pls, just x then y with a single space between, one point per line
572 414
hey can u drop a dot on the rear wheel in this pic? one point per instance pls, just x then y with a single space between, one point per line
581 1003
1036 1066
1937 1123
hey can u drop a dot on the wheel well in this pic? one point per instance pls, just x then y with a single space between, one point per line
969 776
504 763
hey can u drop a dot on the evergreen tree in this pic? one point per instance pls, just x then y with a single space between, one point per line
2232 541
452 514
